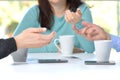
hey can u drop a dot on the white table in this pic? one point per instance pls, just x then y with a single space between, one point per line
75 69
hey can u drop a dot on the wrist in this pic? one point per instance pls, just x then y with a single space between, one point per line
18 42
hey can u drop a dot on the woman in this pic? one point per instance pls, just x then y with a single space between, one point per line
58 16
24 40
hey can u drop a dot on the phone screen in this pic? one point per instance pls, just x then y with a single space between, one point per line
99 63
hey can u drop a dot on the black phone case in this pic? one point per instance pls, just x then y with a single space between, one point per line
52 61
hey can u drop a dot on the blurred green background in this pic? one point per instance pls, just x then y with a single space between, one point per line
11 12
105 13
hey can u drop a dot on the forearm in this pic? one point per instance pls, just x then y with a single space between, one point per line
7 46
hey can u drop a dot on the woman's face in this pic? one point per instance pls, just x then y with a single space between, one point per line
56 1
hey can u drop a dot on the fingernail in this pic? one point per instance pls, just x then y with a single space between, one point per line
53 32
68 11
44 29
78 9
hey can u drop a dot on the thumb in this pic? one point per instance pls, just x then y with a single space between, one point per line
53 33
78 11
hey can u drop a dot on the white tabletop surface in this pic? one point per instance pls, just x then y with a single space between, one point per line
75 69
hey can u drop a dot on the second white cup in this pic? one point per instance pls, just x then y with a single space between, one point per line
66 43
103 49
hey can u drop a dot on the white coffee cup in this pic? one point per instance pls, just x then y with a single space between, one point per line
66 43
102 50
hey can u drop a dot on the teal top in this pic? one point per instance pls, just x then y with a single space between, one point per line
61 27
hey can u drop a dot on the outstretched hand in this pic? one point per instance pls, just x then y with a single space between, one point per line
73 17
33 37
92 32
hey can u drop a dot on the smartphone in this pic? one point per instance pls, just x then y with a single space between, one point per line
99 63
52 61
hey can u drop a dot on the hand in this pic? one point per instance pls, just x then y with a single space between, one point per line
33 37
73 17
92 32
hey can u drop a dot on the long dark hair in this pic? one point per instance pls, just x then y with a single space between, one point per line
46 16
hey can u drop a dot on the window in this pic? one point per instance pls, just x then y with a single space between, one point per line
118 12
106 14
11 13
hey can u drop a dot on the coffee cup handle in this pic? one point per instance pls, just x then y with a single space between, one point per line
56 44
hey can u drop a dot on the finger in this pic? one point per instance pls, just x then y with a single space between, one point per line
75 29
49 36
42 29
52 35
67 11
85 24
78 12
45 37
37 30
89 37
73 18
76 18
94 34
84 31
69 16
95 37
72 15
90 30
66 18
